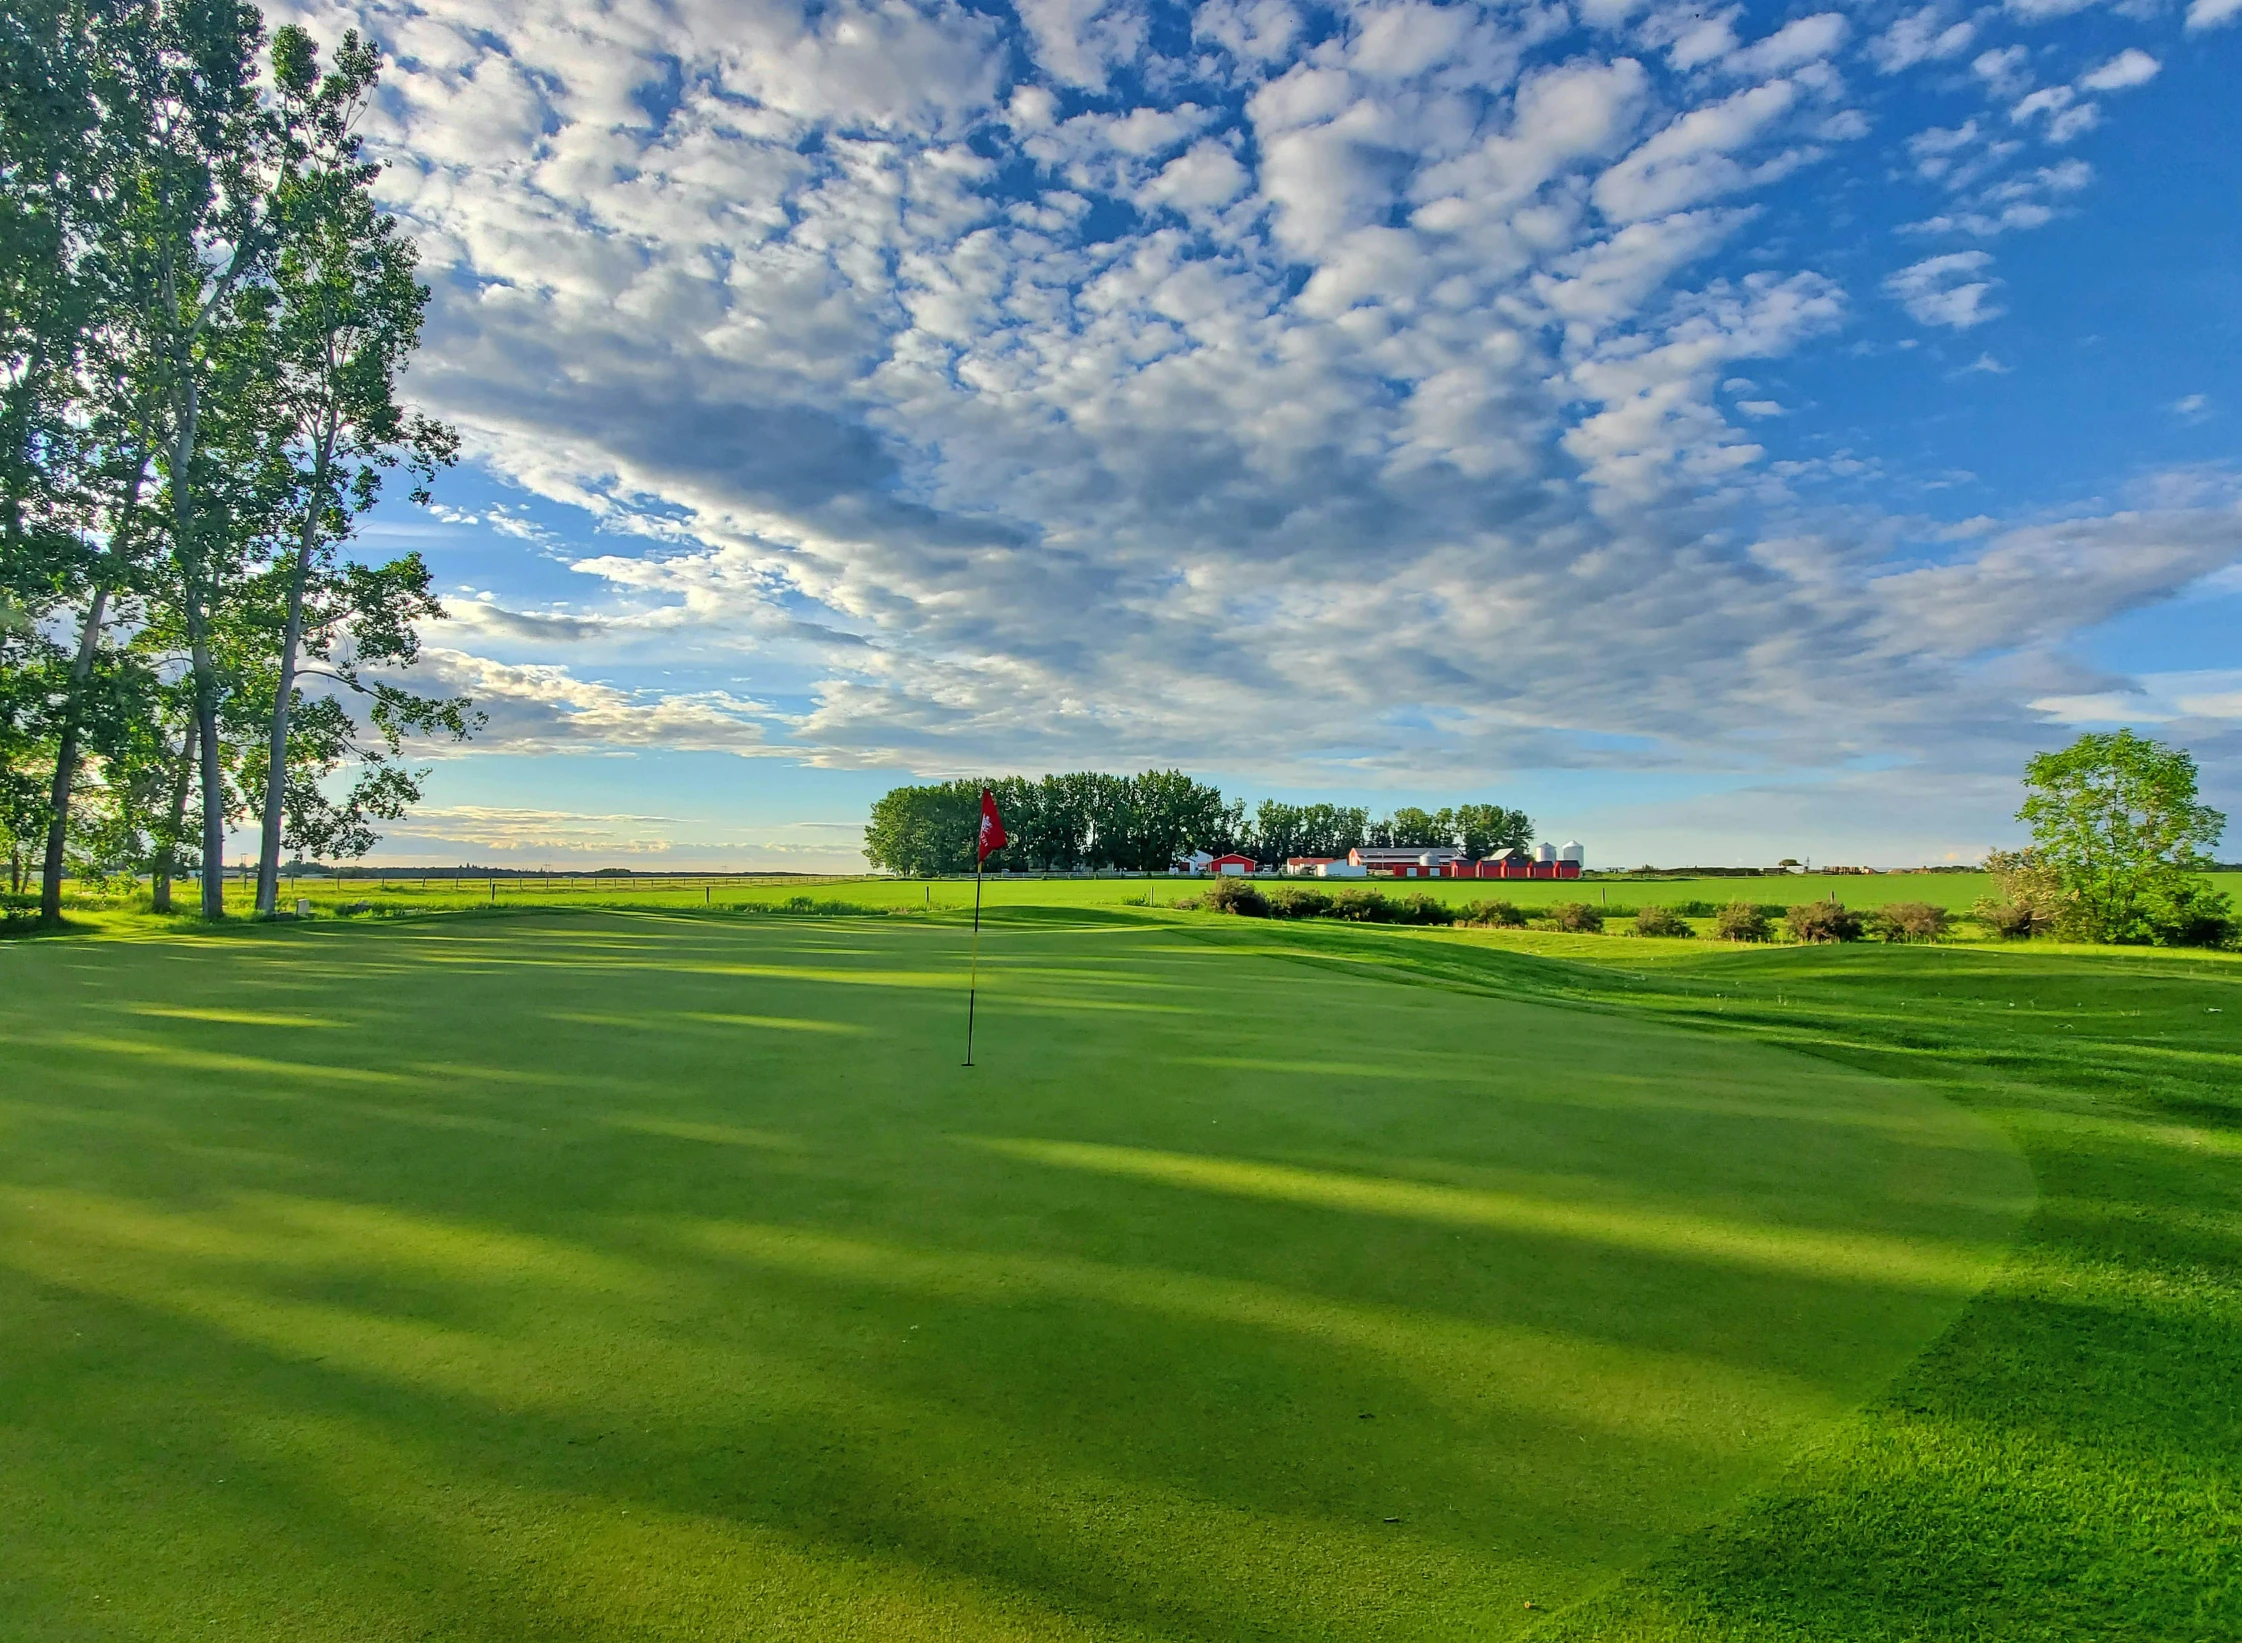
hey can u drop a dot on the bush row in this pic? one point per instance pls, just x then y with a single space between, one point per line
1819 921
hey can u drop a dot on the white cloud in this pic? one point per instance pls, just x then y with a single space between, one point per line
543 708
1919 37
2155 698
2004 70
510 828
2192 408
1253 31
1792 46
1000 392
1080 42
2066 116
1395 42
1945 290
1933 150
2211 14
1208 176
1693 38
2130 67
1694 159
2027 200
2040 582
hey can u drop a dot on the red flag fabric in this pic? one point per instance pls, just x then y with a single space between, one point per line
993 836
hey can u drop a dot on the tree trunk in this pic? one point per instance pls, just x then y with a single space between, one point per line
213 803
276 760
66 759
81 669
167 852
195 589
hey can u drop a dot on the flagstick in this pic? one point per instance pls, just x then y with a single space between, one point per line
973 986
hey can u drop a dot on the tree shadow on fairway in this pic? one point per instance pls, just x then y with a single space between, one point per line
570 1284
464 1418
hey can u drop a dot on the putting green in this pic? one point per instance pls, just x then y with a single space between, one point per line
651 1276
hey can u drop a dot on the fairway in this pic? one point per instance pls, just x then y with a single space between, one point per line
605 1275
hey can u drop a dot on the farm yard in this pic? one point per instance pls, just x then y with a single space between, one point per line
655 1271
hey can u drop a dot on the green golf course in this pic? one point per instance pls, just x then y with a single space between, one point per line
650 1274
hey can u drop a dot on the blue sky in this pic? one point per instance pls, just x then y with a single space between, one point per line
1727 432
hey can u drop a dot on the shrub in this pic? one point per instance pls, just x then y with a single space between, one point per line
2009 920
1423 909
1363 906
812 907
1236 896
2031 899
2191 914
1298 901
1505 915
1577 916
1910 921
1823 921
1661 921
1741 921
1694 909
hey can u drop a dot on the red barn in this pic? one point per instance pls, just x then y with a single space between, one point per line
1233 865
1407 861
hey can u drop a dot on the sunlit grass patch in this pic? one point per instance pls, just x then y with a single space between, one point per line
232 1018
1850 1254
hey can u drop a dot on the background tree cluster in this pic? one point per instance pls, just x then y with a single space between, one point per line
1144 823
203 319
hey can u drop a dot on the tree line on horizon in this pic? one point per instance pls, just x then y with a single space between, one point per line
1091 821
204 316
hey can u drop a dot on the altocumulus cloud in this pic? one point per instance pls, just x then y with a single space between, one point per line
1267 387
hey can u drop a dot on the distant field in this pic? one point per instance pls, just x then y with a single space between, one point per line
403 891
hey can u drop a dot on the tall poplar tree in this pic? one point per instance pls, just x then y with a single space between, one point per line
174 227
345 319
54 145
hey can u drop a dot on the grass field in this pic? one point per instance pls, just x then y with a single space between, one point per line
651 1274
401 892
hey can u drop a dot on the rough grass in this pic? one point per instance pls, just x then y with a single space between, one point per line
640 1276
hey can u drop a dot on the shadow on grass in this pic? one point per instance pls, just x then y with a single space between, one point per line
2066 1462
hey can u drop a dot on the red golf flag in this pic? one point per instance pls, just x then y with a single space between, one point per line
993 836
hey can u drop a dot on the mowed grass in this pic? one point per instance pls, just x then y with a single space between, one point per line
2066 1462
648 1275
